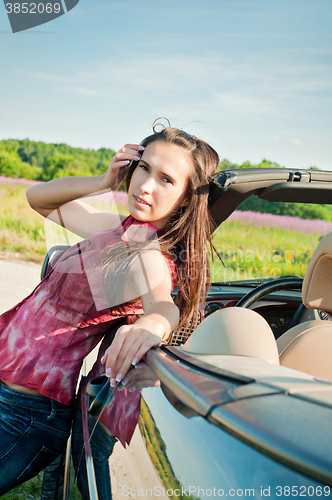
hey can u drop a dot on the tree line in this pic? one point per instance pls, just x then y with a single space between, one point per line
43 162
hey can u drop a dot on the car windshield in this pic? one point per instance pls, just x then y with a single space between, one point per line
259 246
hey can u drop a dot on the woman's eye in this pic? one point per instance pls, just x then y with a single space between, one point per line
144 167
166 179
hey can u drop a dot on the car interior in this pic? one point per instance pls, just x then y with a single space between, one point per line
305 347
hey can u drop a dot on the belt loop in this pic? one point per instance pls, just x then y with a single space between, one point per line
53 412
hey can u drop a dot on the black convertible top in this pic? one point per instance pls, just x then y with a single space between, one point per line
230 188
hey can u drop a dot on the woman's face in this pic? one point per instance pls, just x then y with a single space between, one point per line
159 183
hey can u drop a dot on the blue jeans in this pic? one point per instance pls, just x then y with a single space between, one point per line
102 445
33 432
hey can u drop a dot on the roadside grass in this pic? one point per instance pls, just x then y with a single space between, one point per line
21 229
31 490
26 491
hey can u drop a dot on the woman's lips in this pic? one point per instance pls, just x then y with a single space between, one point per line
141 201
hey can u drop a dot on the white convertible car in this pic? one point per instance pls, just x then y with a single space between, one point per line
244 405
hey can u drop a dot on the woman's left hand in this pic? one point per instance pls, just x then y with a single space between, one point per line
138 378
130 344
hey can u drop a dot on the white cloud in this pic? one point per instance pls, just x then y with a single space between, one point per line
51 78
218 82
296 142
81 90
245 103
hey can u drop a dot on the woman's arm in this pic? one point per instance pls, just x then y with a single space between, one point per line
131 342
77 216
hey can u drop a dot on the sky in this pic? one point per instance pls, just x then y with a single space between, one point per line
252 77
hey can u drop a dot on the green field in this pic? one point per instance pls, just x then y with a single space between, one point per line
251 252
247 251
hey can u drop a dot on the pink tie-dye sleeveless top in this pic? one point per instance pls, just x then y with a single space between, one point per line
44 338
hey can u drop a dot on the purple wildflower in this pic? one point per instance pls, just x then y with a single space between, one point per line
21 182
120 196
307 226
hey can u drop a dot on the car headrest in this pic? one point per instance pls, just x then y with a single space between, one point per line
317 283
235 331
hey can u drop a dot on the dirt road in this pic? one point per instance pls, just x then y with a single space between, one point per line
17 280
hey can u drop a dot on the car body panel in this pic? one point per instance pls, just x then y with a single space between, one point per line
202 456
272 410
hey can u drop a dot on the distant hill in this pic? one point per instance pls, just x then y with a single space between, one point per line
43 162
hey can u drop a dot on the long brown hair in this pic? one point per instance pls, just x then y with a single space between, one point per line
187 235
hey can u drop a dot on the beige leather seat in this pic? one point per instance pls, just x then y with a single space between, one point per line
234 331
307 347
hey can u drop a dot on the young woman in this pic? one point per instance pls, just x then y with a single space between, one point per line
126 268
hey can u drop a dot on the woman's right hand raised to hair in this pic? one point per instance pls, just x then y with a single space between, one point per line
118 167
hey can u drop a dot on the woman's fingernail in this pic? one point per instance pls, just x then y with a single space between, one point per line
137 157
141 148
125 381
113 382
135 361
120 387
108 372
119 377
132 388
103 359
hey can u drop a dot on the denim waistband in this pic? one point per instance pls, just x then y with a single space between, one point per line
32 401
